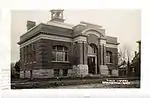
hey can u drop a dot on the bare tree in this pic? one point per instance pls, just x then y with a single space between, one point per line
124 54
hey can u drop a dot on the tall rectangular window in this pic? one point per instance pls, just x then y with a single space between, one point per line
59 56
53 56
109 57
60 53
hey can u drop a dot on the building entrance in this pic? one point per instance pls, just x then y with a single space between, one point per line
92 58
92 64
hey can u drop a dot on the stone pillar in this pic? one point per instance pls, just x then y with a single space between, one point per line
104 54
103 50
96 65
85 53
101 54
98 56
81 57
103 67
81 69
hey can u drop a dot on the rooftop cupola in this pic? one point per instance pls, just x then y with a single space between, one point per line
57 15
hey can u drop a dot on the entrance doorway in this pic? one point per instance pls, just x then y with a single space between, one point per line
92 64
92 58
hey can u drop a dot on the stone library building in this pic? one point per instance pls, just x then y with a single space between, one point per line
58 49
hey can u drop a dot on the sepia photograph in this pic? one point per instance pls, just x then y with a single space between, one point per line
75 49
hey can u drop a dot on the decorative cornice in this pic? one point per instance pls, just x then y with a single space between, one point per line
95 31
43 36
111 46
53 37
80 39
112 43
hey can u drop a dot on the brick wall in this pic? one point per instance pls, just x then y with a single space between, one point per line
44 56
114 52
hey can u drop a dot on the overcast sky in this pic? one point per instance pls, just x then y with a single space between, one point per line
123 24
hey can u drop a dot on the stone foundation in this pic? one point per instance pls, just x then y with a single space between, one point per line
43 73
70 72
80 70
22 74
27 74
77 71
104 70
114 72
61 72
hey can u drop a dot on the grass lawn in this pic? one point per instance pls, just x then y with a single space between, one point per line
73 83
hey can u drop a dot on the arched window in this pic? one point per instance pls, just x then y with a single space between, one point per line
92 49
108 57
59 54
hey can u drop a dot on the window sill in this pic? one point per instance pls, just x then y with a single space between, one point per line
109 63
60 61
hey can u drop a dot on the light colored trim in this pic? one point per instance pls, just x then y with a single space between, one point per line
111 46
93 31
80 39
102 42
30 41
90 24
60 61
54 37
60 24
92 55
43 36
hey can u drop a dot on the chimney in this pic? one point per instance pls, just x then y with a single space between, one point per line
30 24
